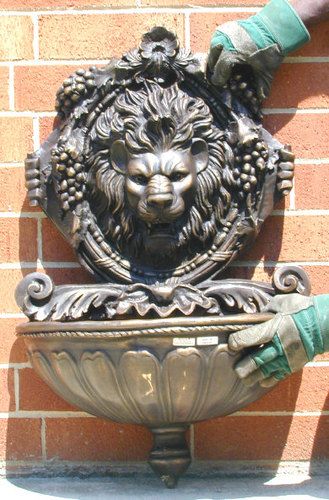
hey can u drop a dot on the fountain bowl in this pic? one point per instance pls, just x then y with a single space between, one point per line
161 373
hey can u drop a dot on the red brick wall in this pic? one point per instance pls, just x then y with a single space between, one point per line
40 47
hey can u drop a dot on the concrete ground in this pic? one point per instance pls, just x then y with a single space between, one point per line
148 487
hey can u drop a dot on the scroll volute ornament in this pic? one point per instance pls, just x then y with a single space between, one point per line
158 180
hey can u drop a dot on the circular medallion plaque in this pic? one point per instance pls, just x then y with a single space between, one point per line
152 173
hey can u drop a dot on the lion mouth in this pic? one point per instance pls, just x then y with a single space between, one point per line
160 229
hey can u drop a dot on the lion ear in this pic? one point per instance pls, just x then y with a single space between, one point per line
199 151
119 157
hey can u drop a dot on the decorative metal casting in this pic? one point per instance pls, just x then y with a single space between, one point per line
158 180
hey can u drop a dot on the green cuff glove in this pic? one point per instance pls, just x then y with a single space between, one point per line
298 332
260 42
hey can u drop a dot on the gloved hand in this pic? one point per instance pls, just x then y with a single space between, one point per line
261 42
298 332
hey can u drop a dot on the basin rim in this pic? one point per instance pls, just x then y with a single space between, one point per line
175 326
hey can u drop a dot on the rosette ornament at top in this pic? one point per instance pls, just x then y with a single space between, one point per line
158 58
156 102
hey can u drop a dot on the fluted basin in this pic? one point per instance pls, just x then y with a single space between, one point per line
164 374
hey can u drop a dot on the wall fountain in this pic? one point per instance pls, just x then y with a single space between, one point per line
158 180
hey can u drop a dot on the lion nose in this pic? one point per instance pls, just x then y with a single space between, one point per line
160 200
159 192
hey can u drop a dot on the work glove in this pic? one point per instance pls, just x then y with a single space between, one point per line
261 42
298 332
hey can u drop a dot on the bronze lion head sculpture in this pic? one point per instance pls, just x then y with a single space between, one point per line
159 174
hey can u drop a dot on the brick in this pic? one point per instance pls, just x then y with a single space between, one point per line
20 439
67 276
9 279
46 126
61 251
19 45
203 26
307 133
36 86
305 86
262 438
16 138
95 439
319 278
322 357
202 3
36 395
318 275
313 390
7 391
263 274
12 349
297 238
306 390
318 46
13 191
4 88
95 36
19 240
312 186
63 4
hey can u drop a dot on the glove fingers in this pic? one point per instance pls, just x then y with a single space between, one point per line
263 87
253 378
251 369
224 66
214 54
246 367
221 74
288 303
252 362
264 62
269 381
256 375
256 335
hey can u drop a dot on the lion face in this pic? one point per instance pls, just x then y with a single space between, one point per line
160 188
158 176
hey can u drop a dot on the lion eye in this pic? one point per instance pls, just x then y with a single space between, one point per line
140 179
177 176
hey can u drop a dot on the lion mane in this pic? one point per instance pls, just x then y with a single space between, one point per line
156 119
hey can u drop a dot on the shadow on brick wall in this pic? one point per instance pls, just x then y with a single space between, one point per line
320 450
